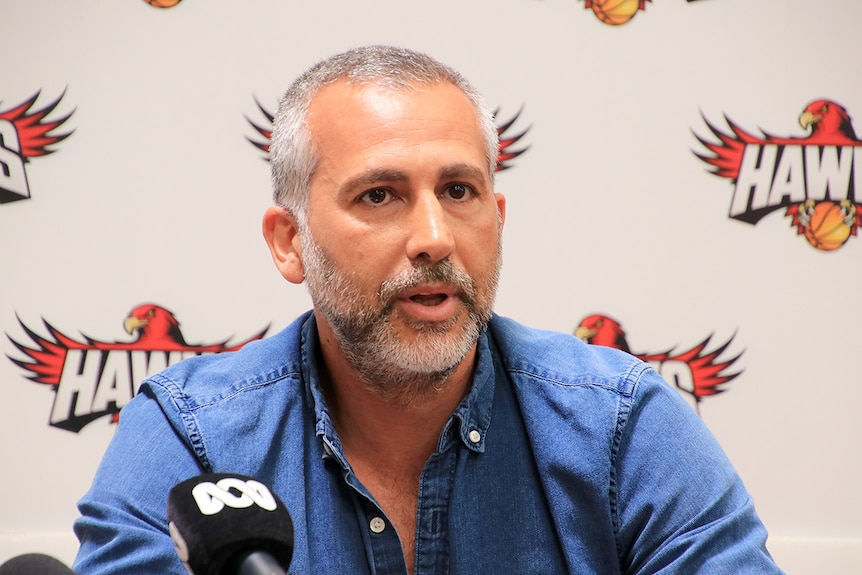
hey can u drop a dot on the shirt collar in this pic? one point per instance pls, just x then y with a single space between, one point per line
469 422
324 428
471 418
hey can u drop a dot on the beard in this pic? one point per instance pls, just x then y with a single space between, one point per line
397 370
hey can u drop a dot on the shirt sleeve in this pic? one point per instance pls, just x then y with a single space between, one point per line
123 526
679 505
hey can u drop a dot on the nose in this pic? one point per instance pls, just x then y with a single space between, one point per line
429 234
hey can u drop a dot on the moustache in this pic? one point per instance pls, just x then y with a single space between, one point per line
442 272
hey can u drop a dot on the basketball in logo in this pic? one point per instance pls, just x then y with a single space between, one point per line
163 3
828 228
615 12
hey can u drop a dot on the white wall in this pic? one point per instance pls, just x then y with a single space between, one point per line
157 197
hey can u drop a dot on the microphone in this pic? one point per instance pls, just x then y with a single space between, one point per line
227 524
34 564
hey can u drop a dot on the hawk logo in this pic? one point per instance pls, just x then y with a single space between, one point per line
696 373
25 134
92 378
504 157
816 178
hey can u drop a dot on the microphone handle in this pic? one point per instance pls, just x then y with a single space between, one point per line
259 563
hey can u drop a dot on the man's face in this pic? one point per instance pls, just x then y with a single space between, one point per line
402 249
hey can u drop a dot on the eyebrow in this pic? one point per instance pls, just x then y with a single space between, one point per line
462 171
374 176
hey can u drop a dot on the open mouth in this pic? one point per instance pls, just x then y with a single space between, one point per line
429 299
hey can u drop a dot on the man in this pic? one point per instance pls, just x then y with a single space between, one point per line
407 428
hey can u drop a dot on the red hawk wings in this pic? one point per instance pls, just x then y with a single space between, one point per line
705 373
25 132
34 132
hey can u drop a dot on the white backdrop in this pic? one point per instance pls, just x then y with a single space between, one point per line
157 195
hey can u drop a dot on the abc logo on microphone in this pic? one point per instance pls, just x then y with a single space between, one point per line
217 520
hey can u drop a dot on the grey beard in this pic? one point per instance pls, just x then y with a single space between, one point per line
396 371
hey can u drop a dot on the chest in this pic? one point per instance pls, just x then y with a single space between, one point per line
396 495
471 511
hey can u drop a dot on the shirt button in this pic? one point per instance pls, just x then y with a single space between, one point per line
377 525
475 436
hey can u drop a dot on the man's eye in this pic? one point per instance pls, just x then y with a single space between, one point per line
459 191
377 196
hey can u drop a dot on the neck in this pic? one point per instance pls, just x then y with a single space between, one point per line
401 427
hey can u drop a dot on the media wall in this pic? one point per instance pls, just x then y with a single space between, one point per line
683 180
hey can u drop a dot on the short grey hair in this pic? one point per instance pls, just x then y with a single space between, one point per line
293 157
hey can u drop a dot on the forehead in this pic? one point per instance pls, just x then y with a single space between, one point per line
357 92
346 117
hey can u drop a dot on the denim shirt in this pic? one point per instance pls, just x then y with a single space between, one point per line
562 458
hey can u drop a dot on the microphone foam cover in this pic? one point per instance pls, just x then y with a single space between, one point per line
34 564
217 518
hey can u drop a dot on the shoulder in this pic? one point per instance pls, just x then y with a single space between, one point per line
227 405
562 360
208 379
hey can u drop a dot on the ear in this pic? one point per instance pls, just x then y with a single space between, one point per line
282 236
501 208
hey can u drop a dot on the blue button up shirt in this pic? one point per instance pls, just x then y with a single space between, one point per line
563 458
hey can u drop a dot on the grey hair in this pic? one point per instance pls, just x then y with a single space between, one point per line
293 157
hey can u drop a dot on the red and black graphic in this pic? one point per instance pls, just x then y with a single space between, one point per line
816 178
696 372
25 133
93 378
505 156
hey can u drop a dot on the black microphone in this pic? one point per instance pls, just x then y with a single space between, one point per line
226 524
34 564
